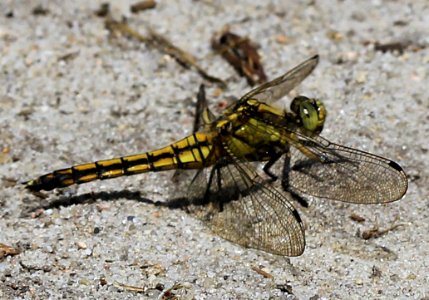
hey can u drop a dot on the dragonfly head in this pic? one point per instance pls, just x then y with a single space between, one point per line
311 113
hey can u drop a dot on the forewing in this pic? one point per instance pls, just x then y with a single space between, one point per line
274 90
240 207
346 174
327 170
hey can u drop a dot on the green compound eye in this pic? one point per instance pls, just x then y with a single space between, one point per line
311 112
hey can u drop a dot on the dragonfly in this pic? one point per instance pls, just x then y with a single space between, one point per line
234 198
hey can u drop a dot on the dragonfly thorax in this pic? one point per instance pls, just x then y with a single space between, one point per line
311 113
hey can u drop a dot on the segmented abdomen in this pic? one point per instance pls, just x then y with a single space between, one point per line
191 152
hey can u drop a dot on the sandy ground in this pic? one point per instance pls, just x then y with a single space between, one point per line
69 94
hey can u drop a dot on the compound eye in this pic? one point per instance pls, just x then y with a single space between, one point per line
309 116
305 113
310 112
296 105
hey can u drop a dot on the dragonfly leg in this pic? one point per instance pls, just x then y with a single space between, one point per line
270 163
215 196
285 181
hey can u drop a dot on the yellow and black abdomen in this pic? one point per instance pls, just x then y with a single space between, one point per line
191 152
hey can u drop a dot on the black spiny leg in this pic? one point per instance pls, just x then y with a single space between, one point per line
218 193
270 163
285 181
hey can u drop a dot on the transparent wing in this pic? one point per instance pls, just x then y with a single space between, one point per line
239 206
326 170
346 174
274 90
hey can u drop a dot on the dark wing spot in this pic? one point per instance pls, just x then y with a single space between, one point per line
396 166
